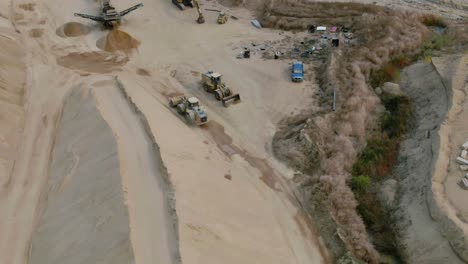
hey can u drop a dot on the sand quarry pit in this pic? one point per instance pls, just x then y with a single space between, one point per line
118 40
72 29
111 174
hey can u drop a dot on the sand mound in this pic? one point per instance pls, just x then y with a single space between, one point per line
99 62
118 40
143 72
72 29
27 7
36 32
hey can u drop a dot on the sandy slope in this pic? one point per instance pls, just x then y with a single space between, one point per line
85 219
153 236
43 93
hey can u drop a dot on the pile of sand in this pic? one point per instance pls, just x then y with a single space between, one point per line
27 7
36 32
72 29
99 62
118 40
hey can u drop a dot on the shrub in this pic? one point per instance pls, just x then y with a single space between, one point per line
433 21
360 183
395 121
390 72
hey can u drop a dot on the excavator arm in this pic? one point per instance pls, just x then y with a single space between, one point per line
200 19
95 18
128 10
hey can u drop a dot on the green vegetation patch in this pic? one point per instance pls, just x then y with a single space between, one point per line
375 162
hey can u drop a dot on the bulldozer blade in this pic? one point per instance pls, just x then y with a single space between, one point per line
232 99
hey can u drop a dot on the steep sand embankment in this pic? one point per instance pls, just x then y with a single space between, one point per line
423 236
84 219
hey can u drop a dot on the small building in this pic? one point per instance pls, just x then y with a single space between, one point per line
321 29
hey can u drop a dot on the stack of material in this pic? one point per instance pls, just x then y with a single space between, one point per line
463 161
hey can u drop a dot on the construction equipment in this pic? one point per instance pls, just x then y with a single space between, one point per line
181 4
109 16
212 83
222 18
297 72
200 19
190 108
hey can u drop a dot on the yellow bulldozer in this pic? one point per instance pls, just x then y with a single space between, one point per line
181 4
212 83
222 18
190 108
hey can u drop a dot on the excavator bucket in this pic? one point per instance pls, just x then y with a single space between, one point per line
200 19
232 99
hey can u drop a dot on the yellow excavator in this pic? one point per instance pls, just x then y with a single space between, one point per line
181 4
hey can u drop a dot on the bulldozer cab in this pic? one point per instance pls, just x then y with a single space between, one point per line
215 77
193 102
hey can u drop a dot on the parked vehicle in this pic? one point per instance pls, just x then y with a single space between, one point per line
297 73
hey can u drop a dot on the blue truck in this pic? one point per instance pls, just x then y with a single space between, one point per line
297 73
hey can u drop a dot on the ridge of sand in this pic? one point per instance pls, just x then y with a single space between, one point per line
153 236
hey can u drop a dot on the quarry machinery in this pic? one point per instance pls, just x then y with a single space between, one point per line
181 4
109 16
222 18
212 83
200 19
190 108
